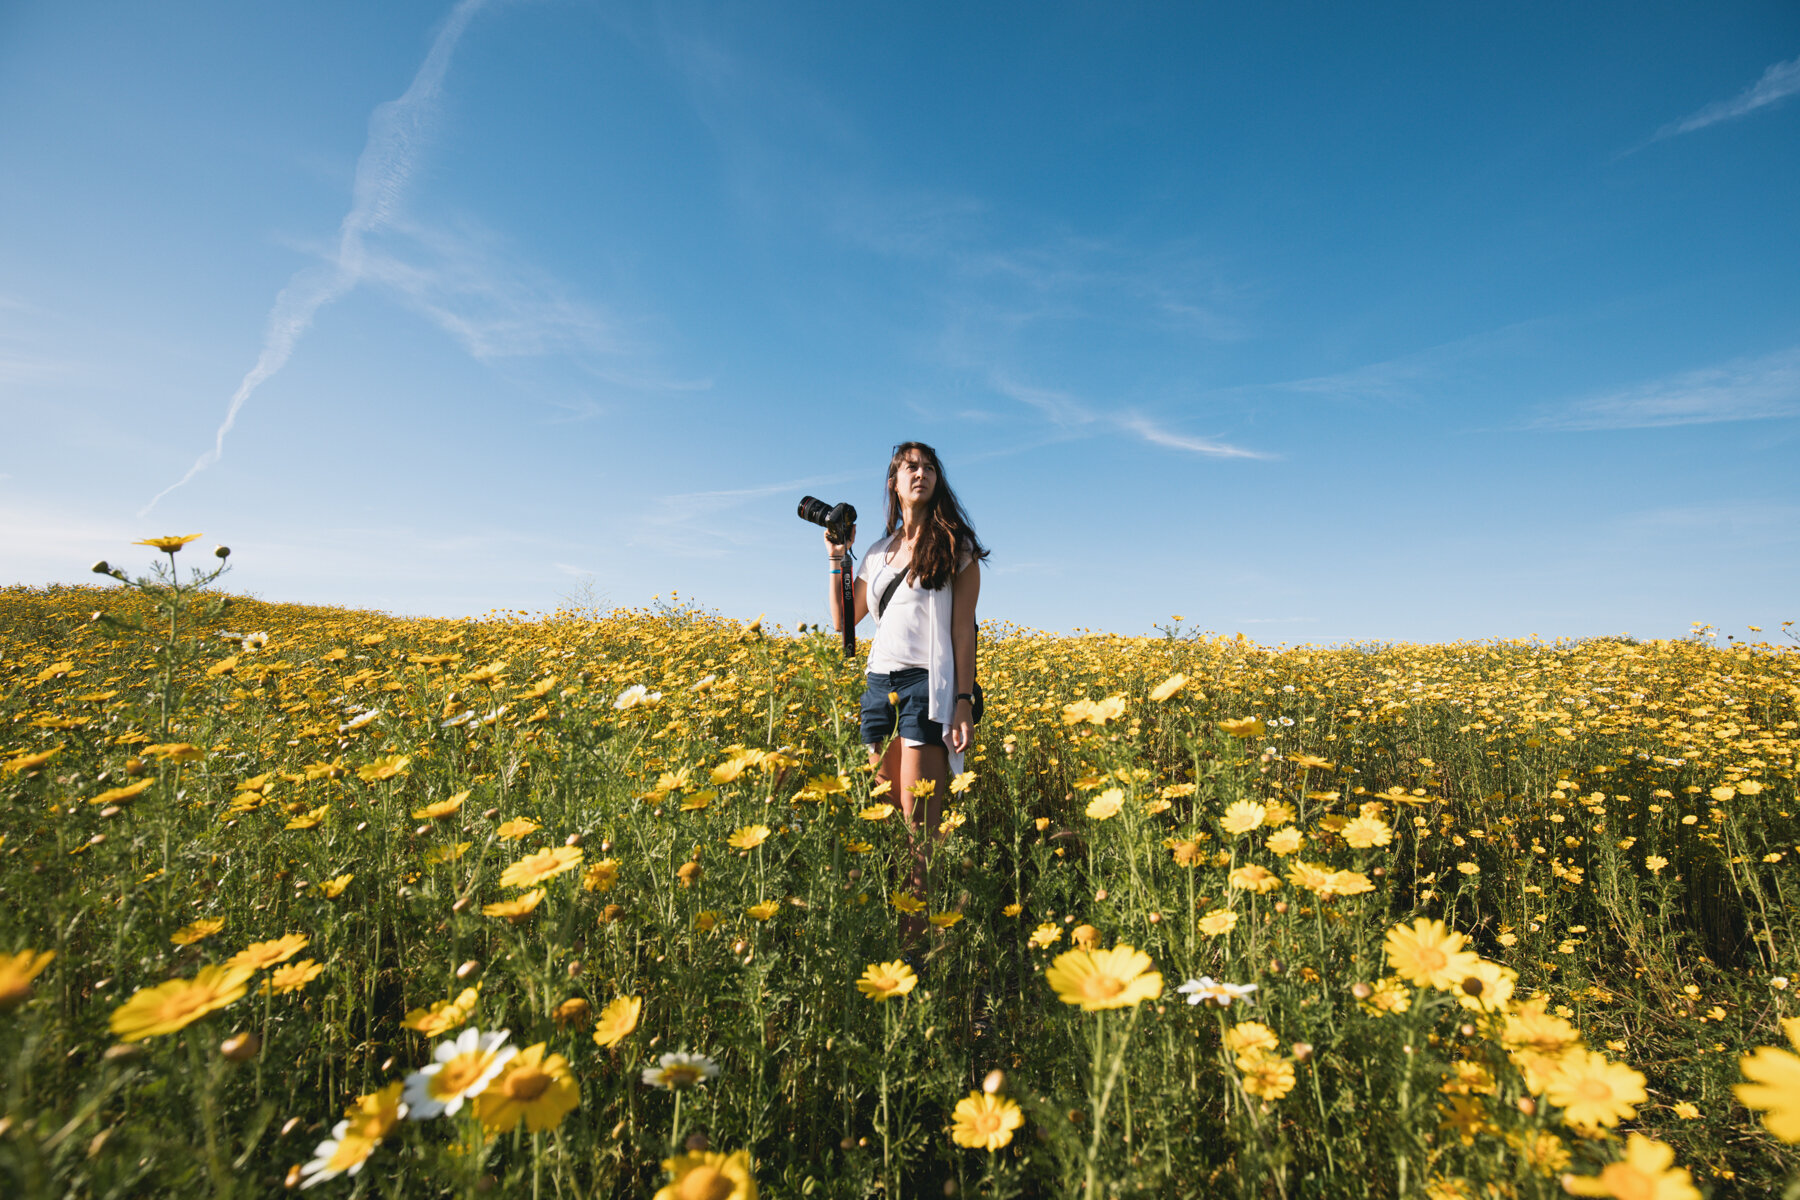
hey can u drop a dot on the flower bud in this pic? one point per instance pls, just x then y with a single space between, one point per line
1361 991
293 1177
467 969
221 552
996 1079
698 1142
102 568
1302 1051
240 1047
288 1126
1527 1105
1100 895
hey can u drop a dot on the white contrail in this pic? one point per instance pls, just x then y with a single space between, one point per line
396 131
1777 83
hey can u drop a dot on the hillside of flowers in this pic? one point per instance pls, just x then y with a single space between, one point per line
608 904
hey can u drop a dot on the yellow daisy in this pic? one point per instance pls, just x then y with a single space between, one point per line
290 977
533 1087
168 545
1242 816
1594 1091
441 809
443 1015
708 1175
749 837
617 1020
1774 1084
545 864
601 876
517 911
1097 979
1254 878
984 1122
16 973
1429 954
204 928
258 955
1648 1172
883 981
517 828
174 1005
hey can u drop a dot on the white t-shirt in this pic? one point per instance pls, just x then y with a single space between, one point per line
903 629
914 632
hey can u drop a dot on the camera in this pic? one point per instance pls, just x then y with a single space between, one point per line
838 520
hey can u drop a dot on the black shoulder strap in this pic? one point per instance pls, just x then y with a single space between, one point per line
887 593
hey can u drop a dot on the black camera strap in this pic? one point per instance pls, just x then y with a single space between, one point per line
847 602
887 593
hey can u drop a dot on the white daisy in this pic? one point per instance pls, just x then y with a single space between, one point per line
635 695
342 1155
1208 990
680 1069
460 1070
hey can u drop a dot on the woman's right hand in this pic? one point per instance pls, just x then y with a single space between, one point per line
836 549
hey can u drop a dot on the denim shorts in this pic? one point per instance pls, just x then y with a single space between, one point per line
913 684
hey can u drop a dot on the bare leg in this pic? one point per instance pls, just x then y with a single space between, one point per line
920 764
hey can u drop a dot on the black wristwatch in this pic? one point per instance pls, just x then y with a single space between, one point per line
966 696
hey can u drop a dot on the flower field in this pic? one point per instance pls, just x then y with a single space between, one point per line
608 904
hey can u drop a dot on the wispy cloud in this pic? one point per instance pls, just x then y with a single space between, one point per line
1156 435
495 307
1073 415
397 130
1777 83
1745 389
686 522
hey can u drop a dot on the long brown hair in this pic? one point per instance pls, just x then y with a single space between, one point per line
946 534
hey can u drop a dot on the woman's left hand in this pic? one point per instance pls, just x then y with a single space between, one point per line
962 727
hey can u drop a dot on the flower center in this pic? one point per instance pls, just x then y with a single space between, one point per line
193 1000
458 1075
1103 987
681 1075
986 1124
1593 1089
527 1084
704 1183
1432 959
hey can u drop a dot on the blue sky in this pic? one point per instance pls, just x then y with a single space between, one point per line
1317 322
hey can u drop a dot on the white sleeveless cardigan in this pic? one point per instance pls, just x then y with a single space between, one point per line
939 605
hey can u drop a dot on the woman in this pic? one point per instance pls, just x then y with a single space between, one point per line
922 580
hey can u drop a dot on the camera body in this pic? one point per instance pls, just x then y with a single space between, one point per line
837 520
